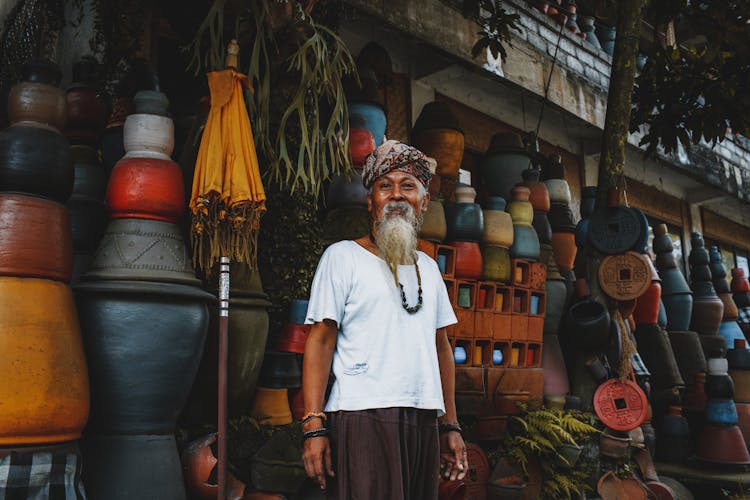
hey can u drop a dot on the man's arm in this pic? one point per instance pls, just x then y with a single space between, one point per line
316 367
453 463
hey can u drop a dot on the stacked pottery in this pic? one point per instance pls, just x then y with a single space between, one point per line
561 219
586 24
556 383
708 309
366 106
738 360
144 320
280 377
45 389
502 165
741 295
496 240
721 440
540 200
87 110
676 294
292 339
438 134
606 36
525 240
465 223
347 217
729 328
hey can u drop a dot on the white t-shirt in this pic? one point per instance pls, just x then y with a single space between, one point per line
384 357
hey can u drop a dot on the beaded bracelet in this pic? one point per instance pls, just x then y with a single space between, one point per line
449 427
313 414
316 433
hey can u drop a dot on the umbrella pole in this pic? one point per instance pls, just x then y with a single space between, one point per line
222 386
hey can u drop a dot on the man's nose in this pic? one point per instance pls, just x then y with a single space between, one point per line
396 193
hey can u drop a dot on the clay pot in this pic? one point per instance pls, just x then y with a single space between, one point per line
559 191
465 193
564 249
451 490
468 260
656 351
30 103
143 345
464 221
443 144
673 439
589 322
87 222
557 295
743 419
648 304
738 358
688 353
561 218
707 314
525 243
37 161
739 281
87 113
539 197
127 467
542 227
292 338
588 200
434 226
90 180
280 370
613 446
151 102
271 406
146 188
498 228
45 392
721 412
730 308
148 136
369 116
199 470
723 445
520 209
361 144
298 311
730 331
347 191
36 238
496 264
502 166
142 250
41 71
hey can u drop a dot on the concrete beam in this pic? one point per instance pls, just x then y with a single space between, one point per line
704 194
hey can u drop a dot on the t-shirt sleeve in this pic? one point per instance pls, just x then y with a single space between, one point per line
330 287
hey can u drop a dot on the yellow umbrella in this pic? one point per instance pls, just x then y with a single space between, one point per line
227 198
227 201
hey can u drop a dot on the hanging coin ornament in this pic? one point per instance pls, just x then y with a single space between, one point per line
624 277
620 405
614 230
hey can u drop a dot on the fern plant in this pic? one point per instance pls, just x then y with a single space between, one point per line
542 435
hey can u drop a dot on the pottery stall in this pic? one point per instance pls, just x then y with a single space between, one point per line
144 318
45 390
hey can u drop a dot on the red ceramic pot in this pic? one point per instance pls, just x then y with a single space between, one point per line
361 144
739 281
539 196
743 416
722 445
564 249
468 260
146 188
647 305
293 338
37 238
86 109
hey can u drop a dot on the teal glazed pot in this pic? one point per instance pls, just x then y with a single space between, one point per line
542 227
525 243
721 412
371 117
503 164
143 344
557 295
298 311
464 221
730 330
642 245
588 201
662 320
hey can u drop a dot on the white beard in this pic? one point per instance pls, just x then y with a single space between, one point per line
396 234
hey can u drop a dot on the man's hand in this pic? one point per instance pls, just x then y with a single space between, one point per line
317 459
453 462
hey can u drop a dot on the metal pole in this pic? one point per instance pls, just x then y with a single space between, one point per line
222 387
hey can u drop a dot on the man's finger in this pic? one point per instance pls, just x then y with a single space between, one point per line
319 475
329 462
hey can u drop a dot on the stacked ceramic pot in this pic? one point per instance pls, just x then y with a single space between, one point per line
45 389
708 309
144 320
525 240
556 384
366 105
738 360
741 295
347 217
292 339
87 110
497 239
729 328
438 134
465 228
561 217
721 440
503 163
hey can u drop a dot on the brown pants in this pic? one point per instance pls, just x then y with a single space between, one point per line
384 454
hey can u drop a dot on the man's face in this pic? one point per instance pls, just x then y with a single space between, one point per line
396 186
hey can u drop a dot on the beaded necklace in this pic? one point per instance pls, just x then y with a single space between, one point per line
404 303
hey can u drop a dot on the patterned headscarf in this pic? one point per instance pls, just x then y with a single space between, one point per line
394 155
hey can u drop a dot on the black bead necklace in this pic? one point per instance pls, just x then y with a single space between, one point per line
404 303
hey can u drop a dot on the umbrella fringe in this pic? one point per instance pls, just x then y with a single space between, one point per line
219 230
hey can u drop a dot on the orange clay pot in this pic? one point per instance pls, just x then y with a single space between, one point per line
271 406
468 260
445 145
45 389
564 249
146 188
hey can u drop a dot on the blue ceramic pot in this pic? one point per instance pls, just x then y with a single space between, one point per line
542 227
557 295
721 412
662 321
525 243
642 245
679 309
373 117
731 331
459 355
502 170
495 203
465 222
298 311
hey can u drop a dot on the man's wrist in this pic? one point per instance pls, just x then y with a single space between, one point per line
444 427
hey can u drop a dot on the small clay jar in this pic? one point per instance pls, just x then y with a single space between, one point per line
539 196
31 103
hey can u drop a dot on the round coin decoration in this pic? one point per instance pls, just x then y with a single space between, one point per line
625 277
620 405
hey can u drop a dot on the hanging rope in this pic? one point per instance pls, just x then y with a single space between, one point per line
549 79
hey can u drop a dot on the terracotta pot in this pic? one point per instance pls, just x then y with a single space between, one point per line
369 116
465 193
37 103
445 145
292 338
688 353
468 260
496 264
564 249
199 470
588 323
36 238
87 113
271 406
143 345
37 161
434 226
148 136
464 221
743 417
45 390
498 228
559 191
146 188
738 358
739 281
730 308
451 490
142 250
127 467
539 197
731 332
707 314
561 218
361 144
501 167
647 305
347 191
613 446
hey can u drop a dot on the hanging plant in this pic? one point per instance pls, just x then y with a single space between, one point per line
290 50
496 23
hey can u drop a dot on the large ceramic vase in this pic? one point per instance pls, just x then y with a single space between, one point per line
464 219
525 240
502 165
676 294
708 309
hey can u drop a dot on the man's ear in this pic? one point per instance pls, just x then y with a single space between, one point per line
425 201
369 202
